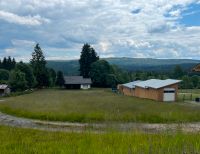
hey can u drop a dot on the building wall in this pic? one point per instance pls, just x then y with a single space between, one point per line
4 92
126 91
154 94
85 86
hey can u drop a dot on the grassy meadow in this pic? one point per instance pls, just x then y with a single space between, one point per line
188 94
97 105
20 141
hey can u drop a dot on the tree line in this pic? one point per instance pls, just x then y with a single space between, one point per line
21 76
7 63
105 75
35 74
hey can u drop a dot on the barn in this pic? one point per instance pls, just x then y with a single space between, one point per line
4 90
155 89
77 82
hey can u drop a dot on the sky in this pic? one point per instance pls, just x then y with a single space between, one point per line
115 28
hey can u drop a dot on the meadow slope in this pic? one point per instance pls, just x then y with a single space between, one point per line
97 105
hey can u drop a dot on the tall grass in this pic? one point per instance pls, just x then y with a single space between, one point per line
99 105
21 141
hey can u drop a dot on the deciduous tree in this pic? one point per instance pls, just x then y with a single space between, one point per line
17 80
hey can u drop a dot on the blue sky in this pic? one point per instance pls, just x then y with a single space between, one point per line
115 28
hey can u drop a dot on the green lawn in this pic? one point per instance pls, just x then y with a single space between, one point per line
189 94
25 141
97 105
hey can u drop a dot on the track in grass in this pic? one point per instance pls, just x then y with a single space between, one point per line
9 120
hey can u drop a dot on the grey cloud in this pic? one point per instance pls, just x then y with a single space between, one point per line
114 28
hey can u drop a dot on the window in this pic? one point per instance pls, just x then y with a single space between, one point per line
169 91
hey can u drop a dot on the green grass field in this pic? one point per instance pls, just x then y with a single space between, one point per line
97 105
189 94
25 141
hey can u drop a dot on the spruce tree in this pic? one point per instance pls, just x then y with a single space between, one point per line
88 56
9 63
4 63
38 64
13 63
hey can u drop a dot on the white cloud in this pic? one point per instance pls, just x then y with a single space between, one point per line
23 20
23 43
109 25
175 13
10 51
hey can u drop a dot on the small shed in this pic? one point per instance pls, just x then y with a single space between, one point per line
77 82
155 89
4 89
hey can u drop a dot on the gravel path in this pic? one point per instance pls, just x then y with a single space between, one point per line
13 121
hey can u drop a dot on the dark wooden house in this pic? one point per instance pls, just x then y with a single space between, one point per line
77 82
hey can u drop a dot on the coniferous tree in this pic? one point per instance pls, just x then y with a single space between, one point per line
9 63
13 63
38 64
88 56
4 63
60 79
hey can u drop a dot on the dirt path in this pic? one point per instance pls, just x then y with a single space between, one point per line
13 121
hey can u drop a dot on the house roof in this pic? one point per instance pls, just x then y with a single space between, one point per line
131 84
77 80
3 86
156 83
152 83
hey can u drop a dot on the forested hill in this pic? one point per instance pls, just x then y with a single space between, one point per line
71 67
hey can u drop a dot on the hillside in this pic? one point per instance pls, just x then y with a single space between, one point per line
70 67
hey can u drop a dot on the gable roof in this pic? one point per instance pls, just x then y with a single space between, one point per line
156 83
77 80
3 86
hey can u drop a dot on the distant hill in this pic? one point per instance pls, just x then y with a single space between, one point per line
71 67
68 67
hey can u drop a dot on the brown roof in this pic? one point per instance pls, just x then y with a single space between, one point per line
77 80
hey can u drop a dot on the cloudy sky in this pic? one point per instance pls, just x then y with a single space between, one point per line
115 28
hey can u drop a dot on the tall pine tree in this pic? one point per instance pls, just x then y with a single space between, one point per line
38 64
88 56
